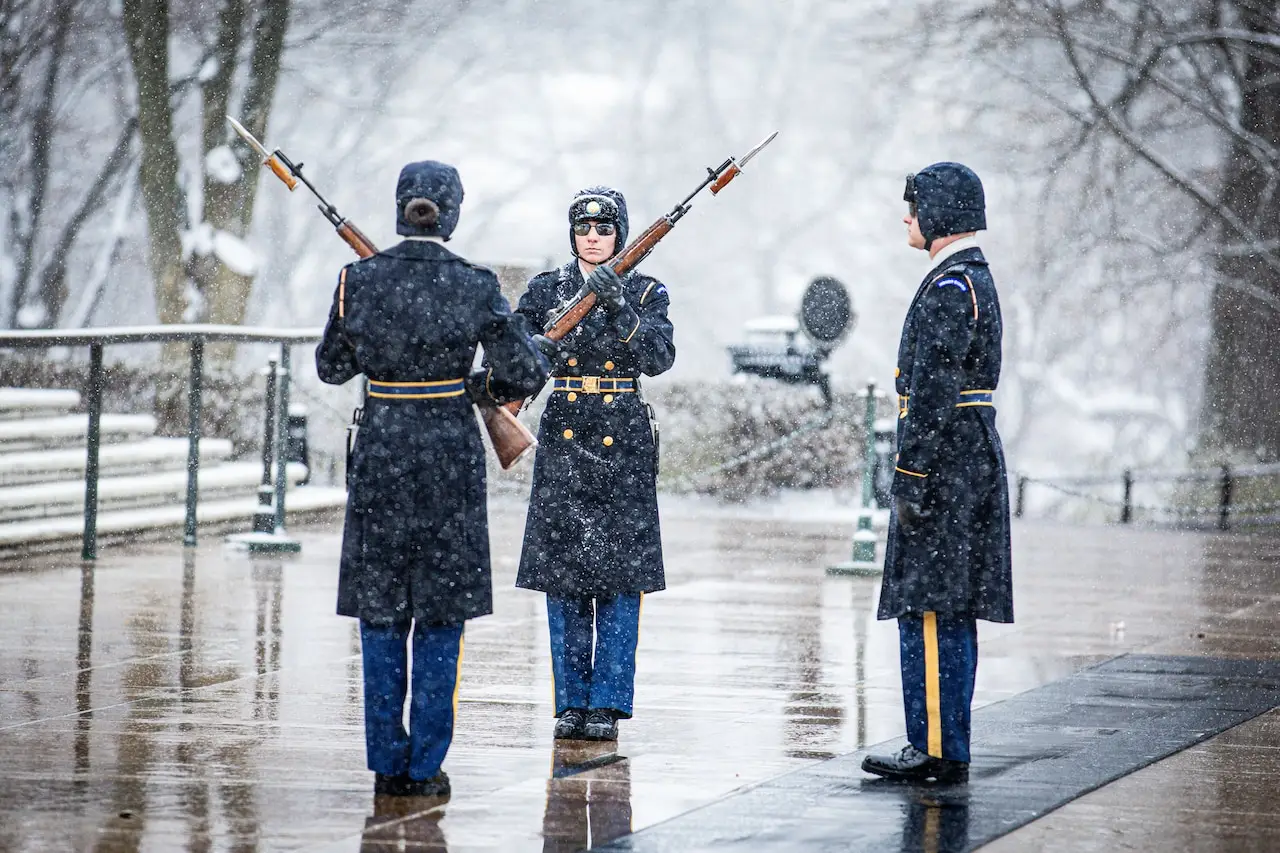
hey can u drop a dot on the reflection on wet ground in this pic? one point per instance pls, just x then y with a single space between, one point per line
212 701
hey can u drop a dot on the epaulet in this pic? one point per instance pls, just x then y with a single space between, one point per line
473 265
564 272
653 287
359 261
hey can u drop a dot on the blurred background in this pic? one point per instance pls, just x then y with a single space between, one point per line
1128 149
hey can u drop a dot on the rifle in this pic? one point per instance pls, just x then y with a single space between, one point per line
511 439
564 318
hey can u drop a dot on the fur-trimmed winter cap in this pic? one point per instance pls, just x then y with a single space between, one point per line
599 204
948 199
438 186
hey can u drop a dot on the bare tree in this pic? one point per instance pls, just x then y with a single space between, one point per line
50 192
1185 99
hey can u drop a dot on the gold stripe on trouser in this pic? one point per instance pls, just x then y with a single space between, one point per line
932 684
457 678
932 828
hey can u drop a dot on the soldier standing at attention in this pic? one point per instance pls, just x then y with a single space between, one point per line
415 546
947 563
592 541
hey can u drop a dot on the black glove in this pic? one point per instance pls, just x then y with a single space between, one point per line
607 287
549 348
477 388
909 514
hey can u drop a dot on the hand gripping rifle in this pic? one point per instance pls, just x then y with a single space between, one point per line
562 319
511 439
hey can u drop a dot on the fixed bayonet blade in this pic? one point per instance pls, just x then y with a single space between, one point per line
754 151
249 138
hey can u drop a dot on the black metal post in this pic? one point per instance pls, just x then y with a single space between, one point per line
1020 503
194 390
1224 499
1126 512
282 435
93 444
264 517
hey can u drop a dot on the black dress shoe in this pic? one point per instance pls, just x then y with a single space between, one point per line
436 786
913 765
404 785
602 724
392 786
571 724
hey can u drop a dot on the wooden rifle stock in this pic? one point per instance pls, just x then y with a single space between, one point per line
633 254
355 238
511 439
563 321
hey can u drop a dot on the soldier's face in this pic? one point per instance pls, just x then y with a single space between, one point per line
914 238
594 248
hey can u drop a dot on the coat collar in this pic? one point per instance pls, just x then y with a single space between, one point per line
965 254
420 250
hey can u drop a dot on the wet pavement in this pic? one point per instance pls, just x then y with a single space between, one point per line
1039 751
211 701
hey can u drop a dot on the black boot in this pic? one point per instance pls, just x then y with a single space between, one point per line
571 724
392 786
404 785
602 724
913 765
436 786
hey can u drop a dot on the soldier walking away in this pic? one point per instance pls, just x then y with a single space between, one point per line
415 546
592 541
947 563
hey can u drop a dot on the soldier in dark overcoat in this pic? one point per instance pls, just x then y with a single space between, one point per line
947 563
592 541
415 547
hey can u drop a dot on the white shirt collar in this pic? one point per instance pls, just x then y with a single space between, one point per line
423 239
954 248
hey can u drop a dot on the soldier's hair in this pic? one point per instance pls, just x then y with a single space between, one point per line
421 212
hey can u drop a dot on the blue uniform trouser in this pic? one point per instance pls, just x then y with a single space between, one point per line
437 660
593 650
939 654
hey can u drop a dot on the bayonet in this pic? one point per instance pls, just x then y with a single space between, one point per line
742 163
291 173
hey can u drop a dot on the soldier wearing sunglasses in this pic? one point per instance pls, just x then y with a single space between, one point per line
592 541
947 562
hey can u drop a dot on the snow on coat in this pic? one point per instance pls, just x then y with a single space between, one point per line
950 461
416 539
592 526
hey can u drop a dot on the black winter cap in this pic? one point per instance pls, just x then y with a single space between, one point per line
440 184
599 204
948 199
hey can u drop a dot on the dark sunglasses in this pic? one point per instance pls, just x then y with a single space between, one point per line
604 229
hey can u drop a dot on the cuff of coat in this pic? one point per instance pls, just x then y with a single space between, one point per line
626 322
909 485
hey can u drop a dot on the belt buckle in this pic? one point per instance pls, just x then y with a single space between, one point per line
591 385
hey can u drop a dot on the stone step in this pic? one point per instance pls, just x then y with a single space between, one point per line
69 430
64 533
136 457
36 402
66 497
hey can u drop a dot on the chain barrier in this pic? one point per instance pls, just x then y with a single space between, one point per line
1181 511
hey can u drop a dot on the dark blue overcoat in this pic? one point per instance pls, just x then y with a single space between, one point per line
592 526
416 539
950 461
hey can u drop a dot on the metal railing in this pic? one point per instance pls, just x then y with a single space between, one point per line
1218 503
197 335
